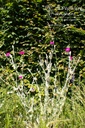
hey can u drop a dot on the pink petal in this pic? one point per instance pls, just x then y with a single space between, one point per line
67 49
51 42
21 52
20 77
8 54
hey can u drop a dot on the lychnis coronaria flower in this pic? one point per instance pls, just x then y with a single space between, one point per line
8 54
21 52
51 42
67 49
20 77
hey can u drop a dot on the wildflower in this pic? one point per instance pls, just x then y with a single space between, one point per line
20 77
67 49
21 52
8 54
51 42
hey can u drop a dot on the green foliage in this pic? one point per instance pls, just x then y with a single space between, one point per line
30 26
78 31
25 25
12 112
73 114
39 103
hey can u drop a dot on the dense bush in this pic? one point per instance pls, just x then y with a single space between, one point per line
30 25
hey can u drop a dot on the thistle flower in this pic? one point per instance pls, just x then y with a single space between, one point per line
8 54
21 52
51 42
20 77
67 49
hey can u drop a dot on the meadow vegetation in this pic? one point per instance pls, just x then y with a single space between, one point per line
42 67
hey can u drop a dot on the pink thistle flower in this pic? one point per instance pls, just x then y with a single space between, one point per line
51 42
21 52
71 58
8 54
67 49
20 77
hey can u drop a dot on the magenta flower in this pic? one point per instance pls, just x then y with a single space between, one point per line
67 49
51 42
8 54
71 58
20 77
21 52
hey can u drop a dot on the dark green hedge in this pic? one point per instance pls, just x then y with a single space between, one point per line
31 25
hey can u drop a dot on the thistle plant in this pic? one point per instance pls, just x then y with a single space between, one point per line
41 107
